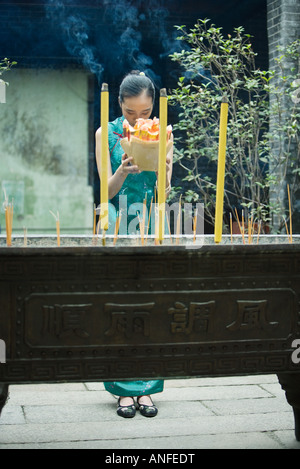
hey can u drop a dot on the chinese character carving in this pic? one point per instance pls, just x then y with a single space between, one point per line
129 319
194 318
252 315
65 320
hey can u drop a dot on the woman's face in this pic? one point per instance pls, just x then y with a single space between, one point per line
137 107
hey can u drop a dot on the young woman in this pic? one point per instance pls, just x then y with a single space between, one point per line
136 99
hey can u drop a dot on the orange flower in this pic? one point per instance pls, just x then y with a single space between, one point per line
145 129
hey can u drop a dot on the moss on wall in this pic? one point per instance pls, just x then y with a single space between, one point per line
44 149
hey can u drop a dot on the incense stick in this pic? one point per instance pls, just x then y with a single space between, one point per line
238 220
103 237
243 226
56 217
94 221
168 223
149 218
287 230
178 221
290 212
8 222
258 233
142 225
195 225
25 237
9 213
250 228
117 226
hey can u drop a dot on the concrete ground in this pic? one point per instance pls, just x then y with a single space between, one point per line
248 412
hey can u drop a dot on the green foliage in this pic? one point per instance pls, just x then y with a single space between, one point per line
6 65
262 138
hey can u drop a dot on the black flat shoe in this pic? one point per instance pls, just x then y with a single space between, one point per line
126 411
147 410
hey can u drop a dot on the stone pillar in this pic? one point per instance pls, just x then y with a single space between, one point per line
283 23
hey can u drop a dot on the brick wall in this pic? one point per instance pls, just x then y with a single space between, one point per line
283 24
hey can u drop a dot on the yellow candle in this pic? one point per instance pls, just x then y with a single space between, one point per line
163 116
221 171
104 157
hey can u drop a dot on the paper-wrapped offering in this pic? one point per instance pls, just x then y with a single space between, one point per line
141 142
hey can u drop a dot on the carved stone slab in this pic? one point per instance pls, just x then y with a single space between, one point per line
104 313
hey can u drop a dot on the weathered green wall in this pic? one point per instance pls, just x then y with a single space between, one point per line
44 150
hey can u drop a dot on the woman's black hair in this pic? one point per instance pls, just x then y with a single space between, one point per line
134 84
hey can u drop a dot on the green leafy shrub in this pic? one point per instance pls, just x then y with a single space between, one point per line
263 146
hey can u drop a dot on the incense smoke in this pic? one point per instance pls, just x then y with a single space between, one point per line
75 34
116 45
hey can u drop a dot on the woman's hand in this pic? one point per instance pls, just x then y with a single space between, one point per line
168 166
126 166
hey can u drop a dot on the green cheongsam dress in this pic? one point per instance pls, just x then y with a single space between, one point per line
135 189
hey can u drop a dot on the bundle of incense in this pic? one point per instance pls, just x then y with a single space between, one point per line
56 217
9 213
144 129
